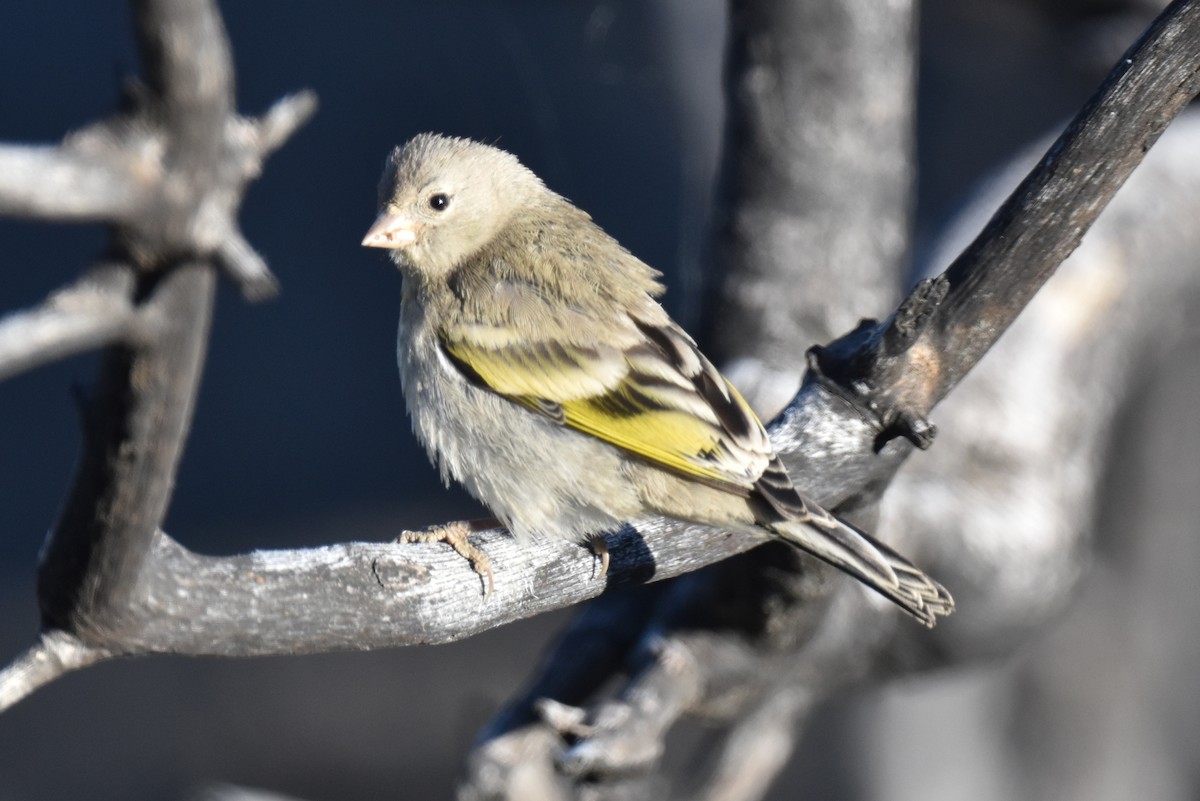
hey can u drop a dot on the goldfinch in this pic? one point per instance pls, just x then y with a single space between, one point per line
541 372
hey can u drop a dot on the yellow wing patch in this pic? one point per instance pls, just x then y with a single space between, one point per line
595 391
670 438
547 370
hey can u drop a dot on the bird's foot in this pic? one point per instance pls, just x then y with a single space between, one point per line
455 535
600 549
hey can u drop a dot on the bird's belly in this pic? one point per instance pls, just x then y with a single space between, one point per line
538 477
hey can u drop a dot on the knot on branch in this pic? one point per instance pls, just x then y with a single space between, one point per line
889 371
190 195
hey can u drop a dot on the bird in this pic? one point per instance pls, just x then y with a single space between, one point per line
541 372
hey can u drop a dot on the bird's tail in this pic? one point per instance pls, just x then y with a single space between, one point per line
870 561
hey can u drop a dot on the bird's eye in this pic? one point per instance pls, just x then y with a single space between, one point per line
439 201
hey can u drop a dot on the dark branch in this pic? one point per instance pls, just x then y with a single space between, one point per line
135 424
902 368
812 217
189 69
1046 217
100 552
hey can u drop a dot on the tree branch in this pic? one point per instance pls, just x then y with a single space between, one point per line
903 368
91 313
176 161
817 180
84 179
55 654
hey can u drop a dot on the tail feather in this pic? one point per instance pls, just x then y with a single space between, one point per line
869 561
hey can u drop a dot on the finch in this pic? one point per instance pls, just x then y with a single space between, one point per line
541 372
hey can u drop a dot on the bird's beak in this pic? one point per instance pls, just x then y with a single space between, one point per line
391 230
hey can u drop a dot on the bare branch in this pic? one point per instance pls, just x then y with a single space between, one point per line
818 176
69 183
136 422
1044 220
950 322
55 654
188 67
118 171
757 749
282 120
361 596
241 262
89 314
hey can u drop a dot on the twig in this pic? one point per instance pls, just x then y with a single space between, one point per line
91 313
55 654
85 179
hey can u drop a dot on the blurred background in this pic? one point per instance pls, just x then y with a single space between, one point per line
300 436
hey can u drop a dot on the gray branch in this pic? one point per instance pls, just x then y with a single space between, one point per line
84 179
168 174
54 653
817 182
91 313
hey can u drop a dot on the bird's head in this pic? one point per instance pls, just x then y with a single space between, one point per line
442 199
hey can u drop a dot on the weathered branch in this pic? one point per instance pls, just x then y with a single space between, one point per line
134 431
1044 220
110 184
168 174
91 313
55 654
903 368
137 420
817 182
82 180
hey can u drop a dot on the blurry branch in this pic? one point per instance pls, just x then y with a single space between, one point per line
817 183
55 653
167 174
91 312
946 325
118 171
82 179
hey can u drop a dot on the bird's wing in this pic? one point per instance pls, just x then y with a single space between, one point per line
655 396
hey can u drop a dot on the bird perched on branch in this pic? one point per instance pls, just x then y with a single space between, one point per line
542 374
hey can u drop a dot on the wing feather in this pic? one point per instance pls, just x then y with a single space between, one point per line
660 399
